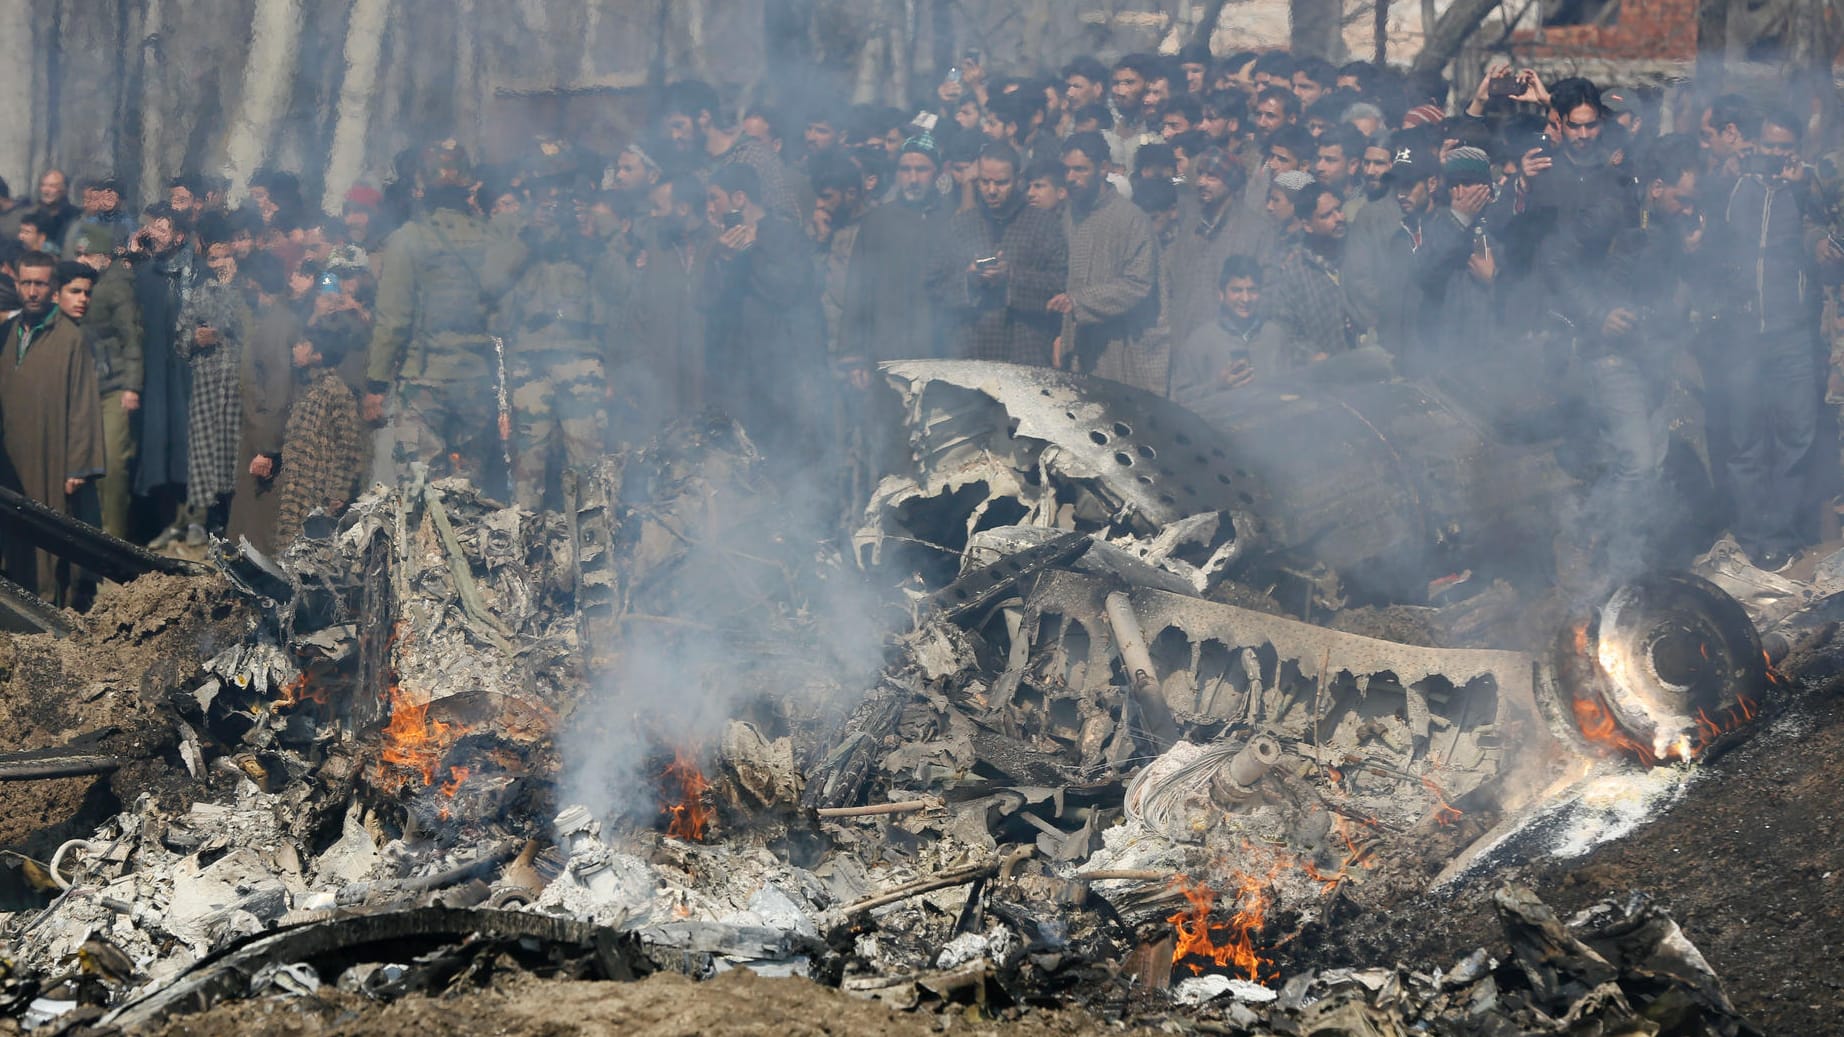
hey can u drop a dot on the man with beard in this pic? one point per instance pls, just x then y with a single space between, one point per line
888 314
705 136
1374 167
635 173
1159 92
659 358
1580 173
1002 264
1211 227
765 356
52 433
1110 309
1306 294
1381 261
166 271
1335 162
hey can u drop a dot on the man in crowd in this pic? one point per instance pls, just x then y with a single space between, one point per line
765 352
1335 162
50 425
1110 307
1238 346
1003 262
1768 382
165 272
112 328
888 313
1211 227
442 276
1306 295
556 361
54 209
102 207
658 366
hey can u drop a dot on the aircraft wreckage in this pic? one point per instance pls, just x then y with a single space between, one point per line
1126 715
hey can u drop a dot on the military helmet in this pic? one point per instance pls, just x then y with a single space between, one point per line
445 164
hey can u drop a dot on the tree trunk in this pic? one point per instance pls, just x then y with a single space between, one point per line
1207 25
268 72
18 54
150 96
364 48
1450 32
1712 34
1316 28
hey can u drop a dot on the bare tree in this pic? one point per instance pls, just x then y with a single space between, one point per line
1450 32
1316 28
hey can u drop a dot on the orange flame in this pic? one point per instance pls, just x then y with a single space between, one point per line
413 740
457 775
1727 719
1356 856
1198 936
300 690
689 817
1445 813
1598 726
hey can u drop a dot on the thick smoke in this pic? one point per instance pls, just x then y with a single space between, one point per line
754 616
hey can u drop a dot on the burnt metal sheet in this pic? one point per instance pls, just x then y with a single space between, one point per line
81 543
23 612
1150 460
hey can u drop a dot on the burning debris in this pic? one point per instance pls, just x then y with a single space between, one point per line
1099 766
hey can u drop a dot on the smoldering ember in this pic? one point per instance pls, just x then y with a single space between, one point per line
1292 517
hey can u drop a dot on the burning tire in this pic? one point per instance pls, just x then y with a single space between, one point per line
1669 664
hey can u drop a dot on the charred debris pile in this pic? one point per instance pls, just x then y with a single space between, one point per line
1119 736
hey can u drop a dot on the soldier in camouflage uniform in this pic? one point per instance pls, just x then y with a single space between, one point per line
442 276
555 344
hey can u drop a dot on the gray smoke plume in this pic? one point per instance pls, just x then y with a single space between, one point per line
735 607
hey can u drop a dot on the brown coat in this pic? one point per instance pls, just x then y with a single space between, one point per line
265 382
1114 282
51 428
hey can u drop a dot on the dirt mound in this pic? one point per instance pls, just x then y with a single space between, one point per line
737 1002
106 684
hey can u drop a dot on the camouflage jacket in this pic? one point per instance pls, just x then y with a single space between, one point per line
113 329
440 281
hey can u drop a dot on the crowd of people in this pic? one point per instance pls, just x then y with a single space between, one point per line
1190 225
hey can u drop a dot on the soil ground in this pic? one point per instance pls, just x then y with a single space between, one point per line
1750 863
669 1005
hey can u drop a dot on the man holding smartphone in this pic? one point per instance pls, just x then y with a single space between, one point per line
1768 375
